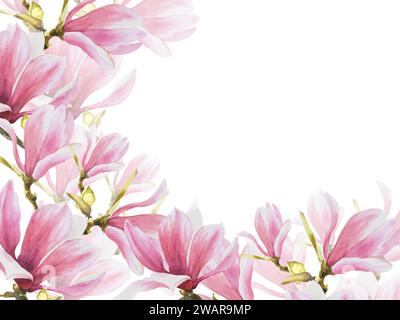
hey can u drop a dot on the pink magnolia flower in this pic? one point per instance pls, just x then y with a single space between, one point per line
271 231
100 155
363 242
145 166
83 77
23 78
236 282
178 255
50 250
47 134
111 29
164 21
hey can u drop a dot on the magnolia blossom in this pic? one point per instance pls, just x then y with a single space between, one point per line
179 256
164 21
52 249
363 242
83 77
271 231
99 155
107 30
21 77
46 136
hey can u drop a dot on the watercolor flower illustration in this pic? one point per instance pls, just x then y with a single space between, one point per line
74 243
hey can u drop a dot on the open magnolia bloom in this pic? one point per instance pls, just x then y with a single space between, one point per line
23 78
363 242
83 76
46 137
179 256
164 21
105 31
54 254
271 230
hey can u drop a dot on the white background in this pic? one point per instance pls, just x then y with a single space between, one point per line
271 101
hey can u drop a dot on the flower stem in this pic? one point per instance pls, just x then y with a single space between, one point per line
323 273
28 181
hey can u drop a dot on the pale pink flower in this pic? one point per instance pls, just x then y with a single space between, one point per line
145 166
271 231
23 78
363 242
178 255
165 21
108 30
83 77
99 155
46 136
50 251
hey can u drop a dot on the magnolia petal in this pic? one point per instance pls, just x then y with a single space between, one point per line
168 281
94 51
144 248
119 237
48 227
11 268
10 217
205 243
361 264
175 234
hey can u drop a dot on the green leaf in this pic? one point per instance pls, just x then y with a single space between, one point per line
297 278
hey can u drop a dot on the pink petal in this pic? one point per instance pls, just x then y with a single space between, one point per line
361 264
148 223
386 196
323 212
249 236
268 223
93 50
389 290
15 47
228 259
119 94
159 194
39 76
69 258
356 229
78 290
6 126
48 227
205 243
168 281
144 248
10 217
175 234
11 268
119 237
111 275
280 239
